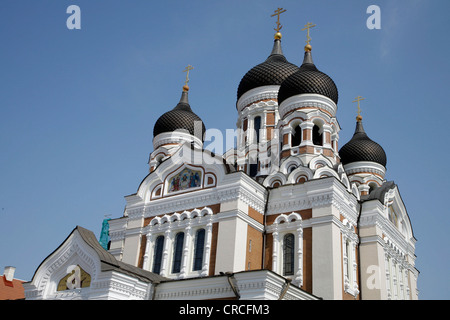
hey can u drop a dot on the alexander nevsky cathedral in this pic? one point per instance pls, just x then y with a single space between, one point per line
285 214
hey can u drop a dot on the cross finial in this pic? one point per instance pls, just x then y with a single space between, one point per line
307 27
279 26
187 69
358 99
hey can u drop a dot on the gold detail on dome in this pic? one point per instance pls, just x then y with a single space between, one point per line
307 27
187 69
358 99
279 26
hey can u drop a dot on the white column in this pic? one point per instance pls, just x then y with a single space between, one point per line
207 253
401 282
148 249
388 276
275 249
187 241
407 291
335 139
299 274
394 279
346 261
165 258
354 266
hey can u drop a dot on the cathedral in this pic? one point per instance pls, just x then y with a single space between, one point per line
284 215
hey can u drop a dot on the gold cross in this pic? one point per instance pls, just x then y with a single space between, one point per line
308 26
358 99
187 69
277 13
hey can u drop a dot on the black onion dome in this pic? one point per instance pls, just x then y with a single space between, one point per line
180 117
273 71
362 148
308 79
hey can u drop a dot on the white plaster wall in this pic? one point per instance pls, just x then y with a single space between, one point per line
131 249
326 264
373 278
231 245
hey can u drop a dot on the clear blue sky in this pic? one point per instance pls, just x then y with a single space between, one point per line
77 107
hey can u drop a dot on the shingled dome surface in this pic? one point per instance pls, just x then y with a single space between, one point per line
362 148
308 79
273 71
180 117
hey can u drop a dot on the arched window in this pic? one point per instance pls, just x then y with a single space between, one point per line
297 137
253 167
198 250
178 252
317 136
393 216
372 186
257 126
288 254
157 256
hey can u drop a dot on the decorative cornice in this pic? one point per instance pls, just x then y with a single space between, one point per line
314 101
250 284
176 137
365 167
314 194
257 94
199 199
117 235
393 241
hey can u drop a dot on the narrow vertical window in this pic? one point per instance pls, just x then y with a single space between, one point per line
157 256
178 252
198 250
254 168
317 136
257 126
297 137
288 254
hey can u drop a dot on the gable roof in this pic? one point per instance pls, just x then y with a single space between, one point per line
110 263
107 261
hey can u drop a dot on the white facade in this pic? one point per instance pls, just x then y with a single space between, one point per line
279 217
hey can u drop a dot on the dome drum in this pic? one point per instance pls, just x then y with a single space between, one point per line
264 93
307 101
365 167
178 137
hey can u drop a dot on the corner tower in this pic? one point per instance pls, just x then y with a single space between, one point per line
257 107
176 127
307 107
364 160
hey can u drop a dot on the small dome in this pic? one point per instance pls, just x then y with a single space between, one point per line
362 148
308 79
273 71
180 117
